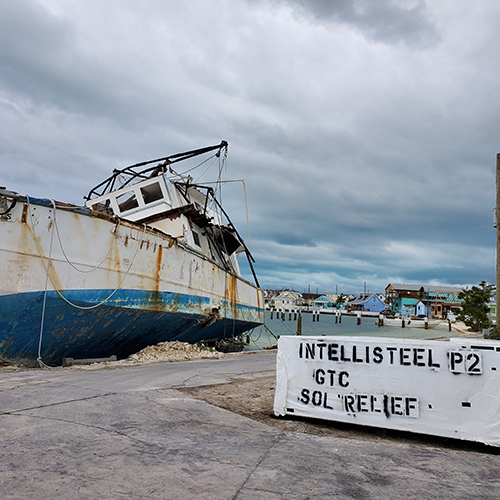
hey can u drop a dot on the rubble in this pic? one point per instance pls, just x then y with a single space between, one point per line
162 352
173 351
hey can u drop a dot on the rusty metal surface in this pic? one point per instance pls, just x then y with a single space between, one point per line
131 269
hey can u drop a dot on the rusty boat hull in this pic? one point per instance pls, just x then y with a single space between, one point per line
78 283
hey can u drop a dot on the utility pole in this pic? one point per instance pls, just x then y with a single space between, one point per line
497 225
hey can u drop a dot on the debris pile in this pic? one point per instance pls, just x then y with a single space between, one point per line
173 351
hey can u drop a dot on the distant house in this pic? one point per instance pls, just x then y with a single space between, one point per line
408 307
308 298
323 302
329 300
438 300
270 298
372 302
422 309
288 299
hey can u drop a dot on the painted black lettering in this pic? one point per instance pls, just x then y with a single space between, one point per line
455 358
355 358
411 404
300 350
431 363
332 378
418 359
472 368
373 404
305 396
320 348
404 356
317 398
319 376
377 355
342 354
367 351
325 402
386 406
362 402
392 350
332 352
310 351
396 405
349 403
342 381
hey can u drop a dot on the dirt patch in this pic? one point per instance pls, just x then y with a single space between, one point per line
254 398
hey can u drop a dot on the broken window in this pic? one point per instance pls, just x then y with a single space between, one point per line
151 193
196 238
127 201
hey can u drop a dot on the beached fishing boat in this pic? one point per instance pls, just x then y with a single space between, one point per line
151 257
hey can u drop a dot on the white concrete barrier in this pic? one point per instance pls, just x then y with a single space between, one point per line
449 389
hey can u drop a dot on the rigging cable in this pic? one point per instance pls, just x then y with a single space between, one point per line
59 293
39 357
71 263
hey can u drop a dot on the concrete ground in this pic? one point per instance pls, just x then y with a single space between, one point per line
143 433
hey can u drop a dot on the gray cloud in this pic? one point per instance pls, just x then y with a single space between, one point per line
388 21
364 161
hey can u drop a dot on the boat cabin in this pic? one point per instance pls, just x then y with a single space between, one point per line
179 209
172 204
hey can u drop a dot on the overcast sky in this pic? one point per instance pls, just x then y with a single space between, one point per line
366 131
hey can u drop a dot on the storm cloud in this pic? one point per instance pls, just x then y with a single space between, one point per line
367 132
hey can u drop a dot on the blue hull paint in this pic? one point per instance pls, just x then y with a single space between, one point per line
130 321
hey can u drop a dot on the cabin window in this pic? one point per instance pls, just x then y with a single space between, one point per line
127 201
196 238
151 193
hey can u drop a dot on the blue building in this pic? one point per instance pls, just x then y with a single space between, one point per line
323 302
372 302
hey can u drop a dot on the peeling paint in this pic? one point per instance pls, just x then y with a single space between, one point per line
144 310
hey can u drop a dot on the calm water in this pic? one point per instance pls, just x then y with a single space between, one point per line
260 338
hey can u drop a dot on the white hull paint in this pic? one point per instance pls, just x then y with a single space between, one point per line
92 259
154 259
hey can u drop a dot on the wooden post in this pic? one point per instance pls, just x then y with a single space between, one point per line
299 325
